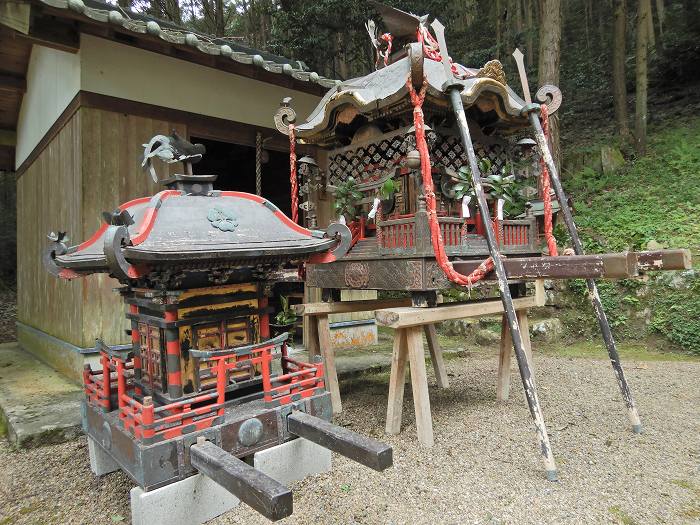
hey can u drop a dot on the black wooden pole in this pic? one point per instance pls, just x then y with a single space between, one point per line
453 88
521 357
266 495
590 283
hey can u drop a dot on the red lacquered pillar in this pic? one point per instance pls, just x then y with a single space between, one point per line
136 346
172 359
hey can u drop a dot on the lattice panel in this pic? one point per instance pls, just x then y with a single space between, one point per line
448 152
365 162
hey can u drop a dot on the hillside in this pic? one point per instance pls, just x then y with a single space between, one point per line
650 201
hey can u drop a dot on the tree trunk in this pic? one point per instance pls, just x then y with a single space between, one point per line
661 14
530 41
640 117
550 52
618 69
219 13
499 29
650 28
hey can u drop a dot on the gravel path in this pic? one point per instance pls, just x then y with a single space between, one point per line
483 468
8 314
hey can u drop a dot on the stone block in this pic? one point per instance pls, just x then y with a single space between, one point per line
192 501
101 463
293 460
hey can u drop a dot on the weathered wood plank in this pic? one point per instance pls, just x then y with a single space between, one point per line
504 362
324 338
609 265
349 306
403 317
397 380
664 260
419 384
436 356
49 199
525 334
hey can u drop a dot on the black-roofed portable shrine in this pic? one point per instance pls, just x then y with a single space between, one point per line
196 267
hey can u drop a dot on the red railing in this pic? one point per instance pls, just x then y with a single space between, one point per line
451 231
398 234
515 234
144 420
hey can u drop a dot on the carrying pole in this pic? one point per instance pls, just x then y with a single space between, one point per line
533 110
453 88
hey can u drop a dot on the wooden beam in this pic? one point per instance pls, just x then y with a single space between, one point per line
8 137
419 385
436 356
397 381
328 354
13 83
403 317
47 32
607 265
345 307
664 260
504 359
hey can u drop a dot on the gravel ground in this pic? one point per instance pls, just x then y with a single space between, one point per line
8 315
482 469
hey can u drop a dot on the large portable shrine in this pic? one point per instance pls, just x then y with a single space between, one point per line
367 155
445 178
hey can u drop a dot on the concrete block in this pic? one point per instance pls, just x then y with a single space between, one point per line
192 501
293 460
101 463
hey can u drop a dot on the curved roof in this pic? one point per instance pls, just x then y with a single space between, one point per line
178 228
168 32
386 86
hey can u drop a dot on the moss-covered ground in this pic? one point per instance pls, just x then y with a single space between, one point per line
654 199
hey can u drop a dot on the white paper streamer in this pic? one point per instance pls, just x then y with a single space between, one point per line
499 213
375 207
465 205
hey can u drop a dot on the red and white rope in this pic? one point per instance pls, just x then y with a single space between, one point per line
429 190
293 173
546 191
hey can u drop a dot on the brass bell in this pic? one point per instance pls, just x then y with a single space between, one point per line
413 159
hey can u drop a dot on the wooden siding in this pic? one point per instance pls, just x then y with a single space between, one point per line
91 165
49 198
111 175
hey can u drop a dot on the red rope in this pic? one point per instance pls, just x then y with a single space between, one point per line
293 173
431 49
546 193
389 39
436 236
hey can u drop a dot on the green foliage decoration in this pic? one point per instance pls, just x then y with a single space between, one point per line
286 315
346 197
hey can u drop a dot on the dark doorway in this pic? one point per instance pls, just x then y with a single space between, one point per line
235 166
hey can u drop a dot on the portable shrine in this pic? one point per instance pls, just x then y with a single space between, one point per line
444 177
202 382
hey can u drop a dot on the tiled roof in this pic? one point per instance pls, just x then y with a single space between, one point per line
140 24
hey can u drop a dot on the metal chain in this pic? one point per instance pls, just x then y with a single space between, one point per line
258 163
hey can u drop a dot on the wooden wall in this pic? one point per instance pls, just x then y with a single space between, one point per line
49 198
91 165
112 150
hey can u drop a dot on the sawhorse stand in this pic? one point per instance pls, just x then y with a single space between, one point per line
318 340
408 348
